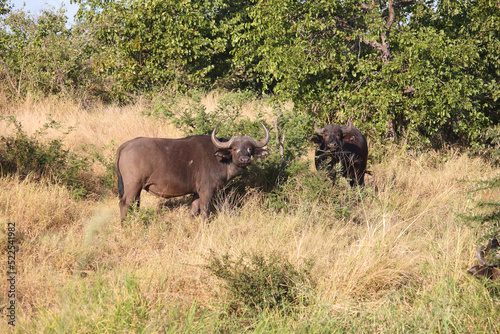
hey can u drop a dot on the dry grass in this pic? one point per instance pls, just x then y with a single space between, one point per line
79 270
99 126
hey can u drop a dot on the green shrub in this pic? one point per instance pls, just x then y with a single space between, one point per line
188 114
256 283
22 154
141 216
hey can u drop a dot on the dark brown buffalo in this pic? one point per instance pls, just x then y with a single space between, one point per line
344 144
196 165
485 268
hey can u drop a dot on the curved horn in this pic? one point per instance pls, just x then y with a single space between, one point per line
220 145
481 259
264 141
317 129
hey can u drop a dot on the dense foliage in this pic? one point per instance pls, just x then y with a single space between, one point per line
423 70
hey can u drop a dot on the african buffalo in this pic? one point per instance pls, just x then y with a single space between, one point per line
343 144
485 268
197 165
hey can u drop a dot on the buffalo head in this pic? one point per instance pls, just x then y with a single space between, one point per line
334 136
240 149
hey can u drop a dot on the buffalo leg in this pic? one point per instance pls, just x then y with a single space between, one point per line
195 205
359 174
204 204
361 178
354 171
128 198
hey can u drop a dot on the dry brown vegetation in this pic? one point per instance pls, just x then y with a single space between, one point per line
396 263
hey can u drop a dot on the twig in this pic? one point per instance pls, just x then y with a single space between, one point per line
281 147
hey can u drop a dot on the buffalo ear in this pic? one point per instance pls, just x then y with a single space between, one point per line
223 153
349 138
260 153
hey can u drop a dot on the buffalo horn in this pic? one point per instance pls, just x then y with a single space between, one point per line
481 259
264 141
317 129
225 145
220 145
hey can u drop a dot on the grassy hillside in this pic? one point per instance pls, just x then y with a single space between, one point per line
388 258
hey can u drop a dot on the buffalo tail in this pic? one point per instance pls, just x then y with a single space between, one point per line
119 175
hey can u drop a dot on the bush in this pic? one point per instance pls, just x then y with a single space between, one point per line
491 145
256 283
22 154
188 114
41 55
105 155
308 187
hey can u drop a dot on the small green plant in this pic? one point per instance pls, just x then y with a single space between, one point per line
256 282
23 154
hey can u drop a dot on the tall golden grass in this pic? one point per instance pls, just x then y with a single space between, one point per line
392 259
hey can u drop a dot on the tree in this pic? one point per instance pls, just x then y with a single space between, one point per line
5 7
41 55
416 69
165 42
390 66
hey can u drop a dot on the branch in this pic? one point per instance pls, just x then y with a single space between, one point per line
383 47
281 148
280 143
22 70
9 78
390 20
